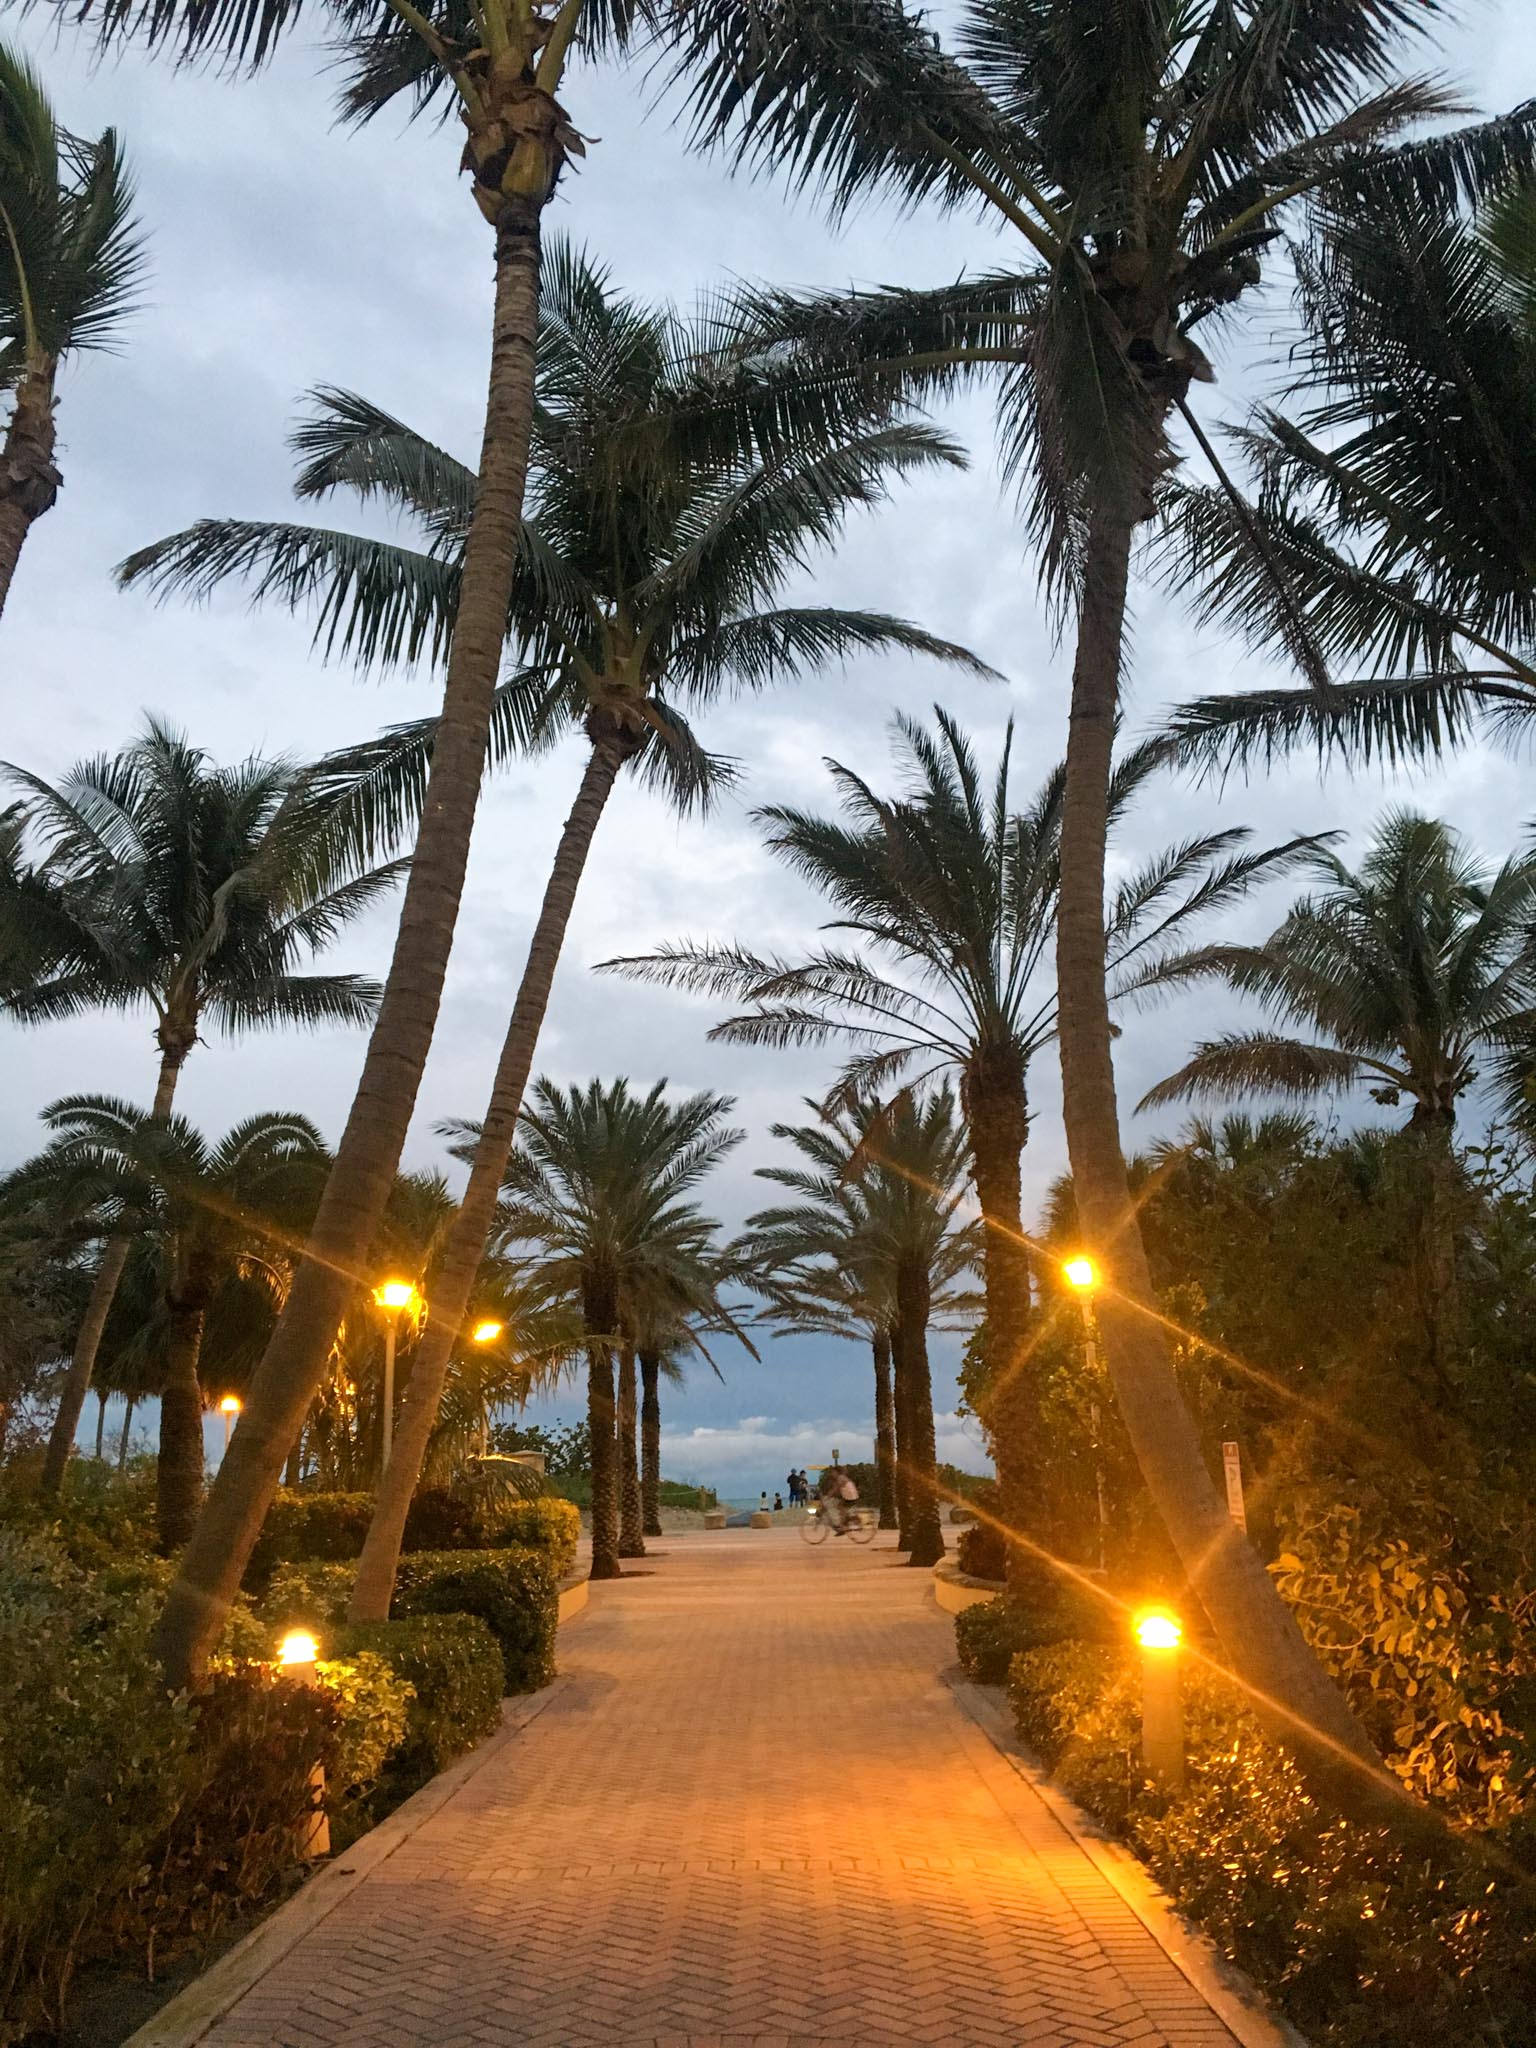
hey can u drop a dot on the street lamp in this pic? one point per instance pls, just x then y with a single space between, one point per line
229 1408
1162 1707
485 1332
393 1296
1082 1276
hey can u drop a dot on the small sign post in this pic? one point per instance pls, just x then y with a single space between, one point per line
1232 1465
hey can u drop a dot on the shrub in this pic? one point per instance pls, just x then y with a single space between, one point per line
440 1520
309 1528
373 1703
453 1666
513 1591
991 1634
132 1819
552 1526
309 1595
1052 1689
981 1552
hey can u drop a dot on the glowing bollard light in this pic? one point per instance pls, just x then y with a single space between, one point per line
1162 1706
296 1655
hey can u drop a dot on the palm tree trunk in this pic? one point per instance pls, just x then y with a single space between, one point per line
901 1417
605 1475
650 1444
101 1421
885 1429
29 479
631 1532
179 1469
998 1121
114 1257
465 1244
927 1545
369 1153
122 1442
1259 1634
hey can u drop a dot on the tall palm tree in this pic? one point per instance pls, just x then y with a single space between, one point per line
594 1191
950 896
1397 504
155 879
649 574
668 1326
1409 974
1141 172
71 260
216 1214
878 1199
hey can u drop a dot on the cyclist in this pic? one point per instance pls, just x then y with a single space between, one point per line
837 1492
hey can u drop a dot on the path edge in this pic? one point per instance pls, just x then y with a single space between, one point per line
196 2010
1234 1998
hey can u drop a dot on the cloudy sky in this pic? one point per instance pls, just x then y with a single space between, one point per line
286 253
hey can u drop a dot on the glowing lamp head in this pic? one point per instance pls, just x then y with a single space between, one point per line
486 1332
395 1294
1157 1629
1081 1274
230 1405
297 1647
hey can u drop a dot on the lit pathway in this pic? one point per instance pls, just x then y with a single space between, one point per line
752 1814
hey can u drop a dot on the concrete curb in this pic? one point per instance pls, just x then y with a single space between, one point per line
193 2013
954 1591
1234 1999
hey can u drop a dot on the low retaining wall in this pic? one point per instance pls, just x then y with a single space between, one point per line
955 1591
573 1596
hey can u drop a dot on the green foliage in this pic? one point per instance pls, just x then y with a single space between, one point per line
551 1526
989 1635
373 1705
980 1550
312 1595
514 1592
440 1520
135 1822
567 1447
453 1668
309 1528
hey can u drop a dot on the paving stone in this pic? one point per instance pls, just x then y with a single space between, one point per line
753 1818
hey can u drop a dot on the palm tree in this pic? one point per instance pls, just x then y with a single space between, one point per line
1145 171
71 260
154 879
951 895
649 568
878 1201
1407 974
1397 507
594 1189
217 1214
666 1326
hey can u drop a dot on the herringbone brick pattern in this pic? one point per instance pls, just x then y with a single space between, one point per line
755 1816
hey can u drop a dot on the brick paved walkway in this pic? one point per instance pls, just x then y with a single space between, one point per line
753 1815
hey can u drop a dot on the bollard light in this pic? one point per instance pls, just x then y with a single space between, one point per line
1162 1706
296 1655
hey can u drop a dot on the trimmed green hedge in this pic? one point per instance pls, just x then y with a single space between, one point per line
553 1526
453 1666
309 1528
514 1592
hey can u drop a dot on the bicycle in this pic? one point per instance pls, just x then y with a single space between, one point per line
859 1525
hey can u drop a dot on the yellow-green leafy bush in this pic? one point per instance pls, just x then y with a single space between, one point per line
453 1666
514 1592
553 1526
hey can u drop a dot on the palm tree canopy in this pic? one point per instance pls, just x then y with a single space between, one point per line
1145 172
668 505
595 1189
1403 974
1399 507
949 895
71 256
157 877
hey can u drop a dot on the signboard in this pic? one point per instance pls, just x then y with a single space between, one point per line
1232 1465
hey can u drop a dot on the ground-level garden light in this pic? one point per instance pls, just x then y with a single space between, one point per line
296 1656
1159 1634
394 1297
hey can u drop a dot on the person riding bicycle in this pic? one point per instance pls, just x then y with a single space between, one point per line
837 1492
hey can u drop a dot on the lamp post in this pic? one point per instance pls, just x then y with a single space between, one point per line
1082 1276
484 1333
1162 1706
229 1408
393 1297
296 1655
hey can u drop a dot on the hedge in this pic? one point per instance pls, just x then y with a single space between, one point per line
514 1592
553 1526
453 1665
309 1528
